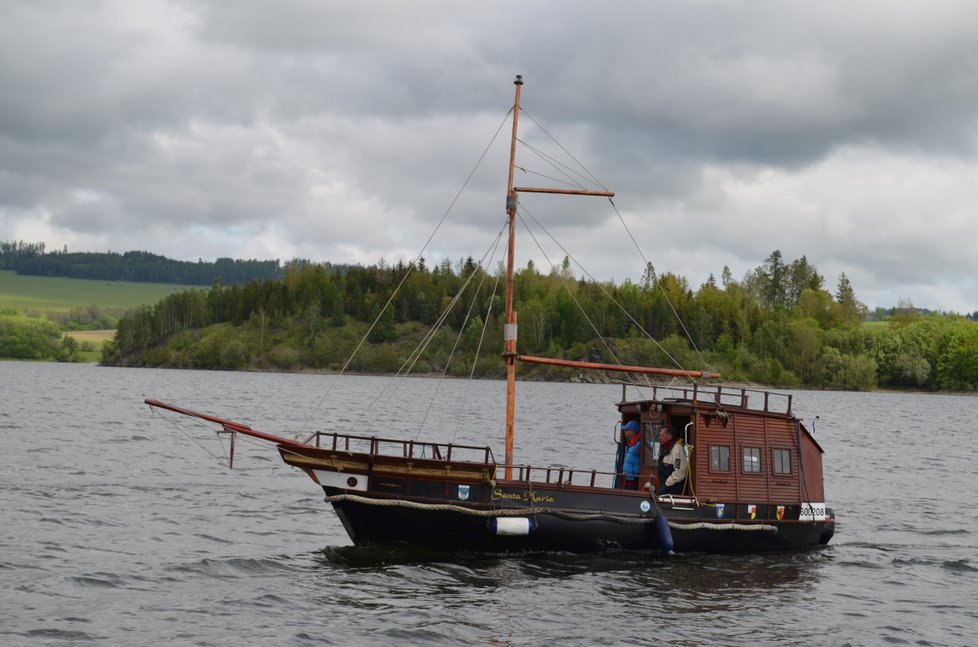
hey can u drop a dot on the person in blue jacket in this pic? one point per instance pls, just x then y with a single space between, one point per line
633 448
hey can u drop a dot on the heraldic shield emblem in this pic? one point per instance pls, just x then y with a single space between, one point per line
463 492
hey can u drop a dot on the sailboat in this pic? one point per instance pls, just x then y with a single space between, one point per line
752 470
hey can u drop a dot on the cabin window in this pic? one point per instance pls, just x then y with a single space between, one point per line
652 438
752 460
781 461
719 458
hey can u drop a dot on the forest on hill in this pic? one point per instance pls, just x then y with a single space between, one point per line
778 325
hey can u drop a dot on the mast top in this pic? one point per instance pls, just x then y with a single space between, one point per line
519 80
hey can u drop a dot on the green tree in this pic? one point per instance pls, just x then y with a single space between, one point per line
68 352
845 296
802 350
26 338
648 276
726 277
904 313
801 276
383 330
774 282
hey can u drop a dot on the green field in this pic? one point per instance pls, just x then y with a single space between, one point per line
91 339
40 294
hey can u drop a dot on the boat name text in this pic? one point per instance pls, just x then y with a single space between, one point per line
526 496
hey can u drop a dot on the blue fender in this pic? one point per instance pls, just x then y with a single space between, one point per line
664 534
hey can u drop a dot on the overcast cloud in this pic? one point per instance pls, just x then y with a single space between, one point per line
338 131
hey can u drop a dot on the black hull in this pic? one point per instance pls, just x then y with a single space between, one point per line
403 522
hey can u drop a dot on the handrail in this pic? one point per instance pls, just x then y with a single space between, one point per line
564 476
444 452
448 453
716 395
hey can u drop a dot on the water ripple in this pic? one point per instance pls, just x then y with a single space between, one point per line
120 530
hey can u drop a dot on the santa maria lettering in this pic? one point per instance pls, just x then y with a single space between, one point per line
526 496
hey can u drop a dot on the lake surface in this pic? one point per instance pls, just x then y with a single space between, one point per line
119 525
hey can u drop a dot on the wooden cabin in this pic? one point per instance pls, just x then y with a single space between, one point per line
745 446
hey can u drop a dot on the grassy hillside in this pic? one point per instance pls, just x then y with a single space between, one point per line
55 297
40 294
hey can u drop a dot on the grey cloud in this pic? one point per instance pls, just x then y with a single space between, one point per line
342 131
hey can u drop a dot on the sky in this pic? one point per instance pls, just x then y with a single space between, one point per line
845 132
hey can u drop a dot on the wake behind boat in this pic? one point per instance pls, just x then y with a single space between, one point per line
701 467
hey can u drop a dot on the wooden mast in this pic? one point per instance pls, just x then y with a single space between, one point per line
509 335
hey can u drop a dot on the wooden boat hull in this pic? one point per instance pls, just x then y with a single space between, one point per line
451 497
388 492
448 526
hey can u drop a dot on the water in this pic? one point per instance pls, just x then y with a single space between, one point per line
117 527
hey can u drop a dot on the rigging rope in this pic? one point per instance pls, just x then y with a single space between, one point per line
225 461
563 280
547 177
656 280
600 287
475 360
408 273
569 154
588 174
461 330
217 458
558 166
393 383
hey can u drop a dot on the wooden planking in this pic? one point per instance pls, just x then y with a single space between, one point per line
812 487
713 486
750 431
783 487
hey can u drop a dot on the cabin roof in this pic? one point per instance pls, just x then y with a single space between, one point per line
717 397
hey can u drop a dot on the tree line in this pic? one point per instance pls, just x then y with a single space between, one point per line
137 266
777 325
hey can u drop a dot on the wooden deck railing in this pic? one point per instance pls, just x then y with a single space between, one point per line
717 394
374 446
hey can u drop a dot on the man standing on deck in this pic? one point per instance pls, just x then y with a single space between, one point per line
673 463
632 462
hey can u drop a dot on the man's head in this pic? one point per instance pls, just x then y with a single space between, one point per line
666 434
